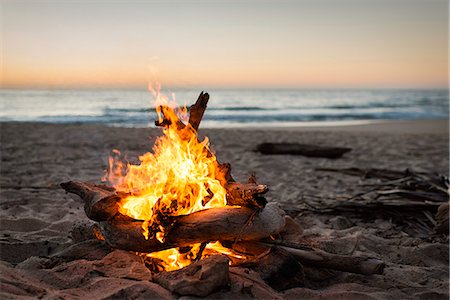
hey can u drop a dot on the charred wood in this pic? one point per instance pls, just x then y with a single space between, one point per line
215 224
100 201
165 122
197 110
278 268
223 173
246 194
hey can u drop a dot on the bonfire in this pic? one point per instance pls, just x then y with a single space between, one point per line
181 206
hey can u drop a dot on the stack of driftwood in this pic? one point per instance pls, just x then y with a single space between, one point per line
416 201
269 241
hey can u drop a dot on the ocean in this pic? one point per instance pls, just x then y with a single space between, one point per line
227 107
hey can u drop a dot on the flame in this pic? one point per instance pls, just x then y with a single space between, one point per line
179 177
174 259
217 247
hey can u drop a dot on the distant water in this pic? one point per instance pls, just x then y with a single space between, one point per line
226 108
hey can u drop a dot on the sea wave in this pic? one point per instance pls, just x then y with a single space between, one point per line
229 107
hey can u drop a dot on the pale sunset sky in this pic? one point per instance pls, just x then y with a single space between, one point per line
317 43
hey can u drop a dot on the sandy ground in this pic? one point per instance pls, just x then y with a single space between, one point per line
36 215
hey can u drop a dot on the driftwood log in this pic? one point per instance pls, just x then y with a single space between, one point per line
101 201
301 149
165 122
198 279
353 264
101 204
215 224
246 194
196 112
310 256
278 268
227 223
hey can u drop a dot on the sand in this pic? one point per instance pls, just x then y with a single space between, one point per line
36 215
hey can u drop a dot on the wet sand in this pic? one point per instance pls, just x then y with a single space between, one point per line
36 215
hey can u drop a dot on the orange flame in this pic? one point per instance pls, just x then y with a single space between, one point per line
172 259
178 178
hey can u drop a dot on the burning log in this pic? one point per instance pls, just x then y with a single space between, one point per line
215 224
250 194
223 173
167 122
246 194
197 110
227 223
301 149
100 201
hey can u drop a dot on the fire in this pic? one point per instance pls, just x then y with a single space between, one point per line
174 259
179 177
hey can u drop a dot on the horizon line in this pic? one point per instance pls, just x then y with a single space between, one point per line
175 87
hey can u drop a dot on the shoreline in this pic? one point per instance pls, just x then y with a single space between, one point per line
421 126
439 126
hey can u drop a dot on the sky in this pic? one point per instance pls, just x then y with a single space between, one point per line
284 44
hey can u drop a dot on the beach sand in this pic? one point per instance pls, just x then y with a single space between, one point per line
36 214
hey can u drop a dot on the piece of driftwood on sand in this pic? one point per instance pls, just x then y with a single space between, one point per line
315 257
301 149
